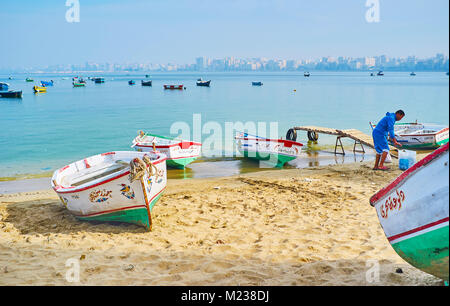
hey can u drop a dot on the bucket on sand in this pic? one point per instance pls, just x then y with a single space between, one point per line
406 159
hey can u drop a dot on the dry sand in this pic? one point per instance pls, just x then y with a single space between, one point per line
289 227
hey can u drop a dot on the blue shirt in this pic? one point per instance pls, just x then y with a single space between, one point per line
386 125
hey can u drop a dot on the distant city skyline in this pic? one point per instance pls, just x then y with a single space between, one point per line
439 62
38 34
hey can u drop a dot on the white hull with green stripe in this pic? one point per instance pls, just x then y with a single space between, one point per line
179 152
414 213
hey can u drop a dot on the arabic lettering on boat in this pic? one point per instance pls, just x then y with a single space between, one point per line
392 203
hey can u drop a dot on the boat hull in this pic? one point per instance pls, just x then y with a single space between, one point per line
11 94
275 153
173 87
414 214
113 198
178 155
39 89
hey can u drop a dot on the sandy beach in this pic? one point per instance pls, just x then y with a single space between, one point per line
292 227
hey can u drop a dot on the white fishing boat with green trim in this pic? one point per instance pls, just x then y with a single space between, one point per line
180 153
414 213
420 136
274 152
117 186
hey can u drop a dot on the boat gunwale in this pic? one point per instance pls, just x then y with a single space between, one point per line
72 189
408 173
287 143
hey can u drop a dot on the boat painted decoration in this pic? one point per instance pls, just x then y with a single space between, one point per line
39 89
101 188
274 152
413 211
173 87
420 136
180 153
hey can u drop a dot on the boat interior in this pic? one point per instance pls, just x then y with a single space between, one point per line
91 174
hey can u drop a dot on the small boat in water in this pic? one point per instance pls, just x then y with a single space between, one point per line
200 82
11 94
307 74
46 83
131 82
380 73
257 83
180 153
173 87
147 76
420 136
412 74
29 80
4 86
414 213
78 84
39 89
98 80
115 186
146 83
275 152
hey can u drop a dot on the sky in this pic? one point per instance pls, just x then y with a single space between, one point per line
177 31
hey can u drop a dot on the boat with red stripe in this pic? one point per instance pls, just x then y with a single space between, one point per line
107 187
414 213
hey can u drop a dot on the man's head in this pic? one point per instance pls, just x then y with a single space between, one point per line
399 115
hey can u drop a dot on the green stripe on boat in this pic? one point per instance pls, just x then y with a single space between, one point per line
180 163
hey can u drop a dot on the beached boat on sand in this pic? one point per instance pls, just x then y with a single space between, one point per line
414 213
180 153
275 152
115 186
420 136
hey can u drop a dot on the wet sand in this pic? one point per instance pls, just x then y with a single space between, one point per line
291 227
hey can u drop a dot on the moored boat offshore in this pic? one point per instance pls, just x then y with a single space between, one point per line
4 86
146 83
414 213
173 86
11 94
120 186
275 152
200 82
180 153
257 83
39 89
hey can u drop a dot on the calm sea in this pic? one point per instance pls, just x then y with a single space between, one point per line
42 132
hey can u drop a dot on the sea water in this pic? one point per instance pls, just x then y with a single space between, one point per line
42 132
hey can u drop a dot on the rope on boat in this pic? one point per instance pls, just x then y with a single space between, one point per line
139 167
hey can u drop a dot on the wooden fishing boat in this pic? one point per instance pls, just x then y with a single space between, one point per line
257 83
275 152
173 87
78 84
413 212
180 153
4 86
146 83
420 136
11 94
131 82
39 89
307 74
412 74
380 73
116 186
29 80
46 83
200 82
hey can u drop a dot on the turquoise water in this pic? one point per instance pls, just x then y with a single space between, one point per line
42 132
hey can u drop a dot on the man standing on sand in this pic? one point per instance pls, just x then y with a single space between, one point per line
384 127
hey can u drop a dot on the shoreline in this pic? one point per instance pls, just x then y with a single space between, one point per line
302 227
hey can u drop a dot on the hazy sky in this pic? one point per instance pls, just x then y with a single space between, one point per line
177 31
